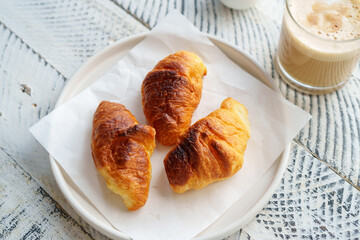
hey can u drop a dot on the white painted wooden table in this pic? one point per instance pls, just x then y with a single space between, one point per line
43 43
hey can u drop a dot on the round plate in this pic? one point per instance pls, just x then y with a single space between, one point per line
243 211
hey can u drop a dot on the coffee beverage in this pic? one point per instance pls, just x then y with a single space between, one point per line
319 44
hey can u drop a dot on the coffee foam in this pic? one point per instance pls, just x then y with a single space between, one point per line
333 20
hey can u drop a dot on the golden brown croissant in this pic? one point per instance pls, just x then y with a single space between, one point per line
121 149
170 94
211 150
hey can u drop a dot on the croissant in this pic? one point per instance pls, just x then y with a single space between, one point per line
121 150
170 94
211 150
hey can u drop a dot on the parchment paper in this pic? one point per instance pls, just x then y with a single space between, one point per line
65 133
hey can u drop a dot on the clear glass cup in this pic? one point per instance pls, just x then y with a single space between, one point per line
312 64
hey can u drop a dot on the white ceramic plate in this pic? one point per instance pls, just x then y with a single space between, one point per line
238 215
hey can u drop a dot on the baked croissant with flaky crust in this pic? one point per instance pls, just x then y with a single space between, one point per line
121 149
170 94
211 150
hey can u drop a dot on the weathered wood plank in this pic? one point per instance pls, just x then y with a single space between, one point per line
66 33
25 79
29 88
333 134
312 202
27 211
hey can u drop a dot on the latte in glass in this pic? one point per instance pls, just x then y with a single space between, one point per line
319 44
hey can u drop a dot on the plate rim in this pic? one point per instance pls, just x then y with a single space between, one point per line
112 231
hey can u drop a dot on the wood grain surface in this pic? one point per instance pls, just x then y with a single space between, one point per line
66 33
312 202
43 43
31 213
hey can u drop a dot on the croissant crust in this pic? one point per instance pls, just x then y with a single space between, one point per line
121 150
170 94
211 150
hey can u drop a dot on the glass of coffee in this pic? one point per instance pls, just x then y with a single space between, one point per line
319 45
